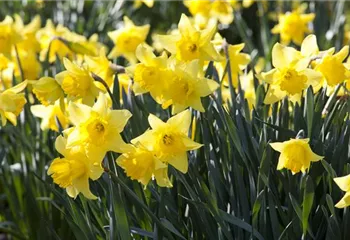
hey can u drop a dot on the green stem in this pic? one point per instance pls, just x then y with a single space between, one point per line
134 196
99 79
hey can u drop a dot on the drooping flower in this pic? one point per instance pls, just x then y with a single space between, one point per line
296 155
142 165
149 74
190 44
77 83
52 116
186 87
292 26
344 185
169 140
74 170
47 90
97 128
127 39
291 75
333 69
11 103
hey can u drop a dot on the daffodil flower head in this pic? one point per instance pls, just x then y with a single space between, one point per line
292 26
11 103
47 90
296 155
190 43
97 128
344 185
333 69
77 83
169 140
74 170
290 76
187 86
50 114
222 10
127 39
141 164
149 74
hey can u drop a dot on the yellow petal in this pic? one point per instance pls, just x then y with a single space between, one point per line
181 121
309 46
161 176
342 54
343 182
155 122
344 202
277 146
180 162
282 56
78 113
82 185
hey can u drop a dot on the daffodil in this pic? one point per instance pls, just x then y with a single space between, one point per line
28 43
296 155
292 26
127 39
309 48
97 128
198 7
333 69
8 36
291 75
101 66
238 62
29 65
138 3
344 185
47 90
6 72
74 169
52 116
141 164
169 140
50 43
77 83
222 10
186 87
150 74
11 103
191 44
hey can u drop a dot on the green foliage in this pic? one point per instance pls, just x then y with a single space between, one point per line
232 189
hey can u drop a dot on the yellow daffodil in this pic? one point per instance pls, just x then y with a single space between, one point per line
186 87
296 155
12 103
8 36
222 10
50 114
169 140
344 185
309 48
142 165
77 83
97 128
198 7
48 39
29 43
138 3
47 90
29 64
191 44
238 62
291 75
74 170
127 39
333 69
149 74
101 66
292 26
